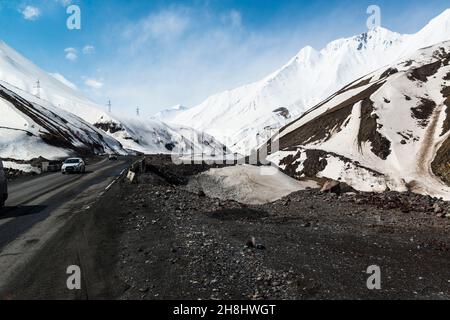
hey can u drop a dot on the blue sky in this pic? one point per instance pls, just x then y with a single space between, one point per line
155 54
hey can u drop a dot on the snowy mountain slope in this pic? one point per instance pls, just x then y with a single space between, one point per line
241 117
169 114
155 137
29 130
387 130
20 76
23 76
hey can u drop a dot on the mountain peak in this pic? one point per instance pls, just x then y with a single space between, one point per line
306 54
379 30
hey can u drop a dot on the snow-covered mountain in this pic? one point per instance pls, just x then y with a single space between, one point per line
22 75
387 130
156 137
244 117
31 130
43 114
169 114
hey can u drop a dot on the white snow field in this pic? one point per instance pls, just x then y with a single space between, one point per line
244 117
248 184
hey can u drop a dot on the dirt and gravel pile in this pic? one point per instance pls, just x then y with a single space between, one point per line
405 202
176 244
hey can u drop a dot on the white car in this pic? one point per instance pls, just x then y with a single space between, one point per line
112 157
3 186
73 165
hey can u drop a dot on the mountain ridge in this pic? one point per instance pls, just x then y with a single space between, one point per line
389 130
238 116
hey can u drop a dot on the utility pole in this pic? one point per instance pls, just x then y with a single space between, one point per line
137 111
109 106
38 89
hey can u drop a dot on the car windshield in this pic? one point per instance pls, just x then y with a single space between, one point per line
72 161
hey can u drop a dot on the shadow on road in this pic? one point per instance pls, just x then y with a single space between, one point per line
15 212
78 173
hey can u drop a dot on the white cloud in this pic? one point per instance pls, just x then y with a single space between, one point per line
163 26
192 68
188 61
88 49
94 84
31 13
62 79
71 54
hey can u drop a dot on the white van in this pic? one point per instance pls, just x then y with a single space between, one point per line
3 186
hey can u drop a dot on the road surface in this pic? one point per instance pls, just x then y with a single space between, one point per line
38 207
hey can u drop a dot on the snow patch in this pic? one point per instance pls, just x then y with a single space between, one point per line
27 168
248 184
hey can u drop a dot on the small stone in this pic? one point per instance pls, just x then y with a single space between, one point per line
251 243
260 247
437 208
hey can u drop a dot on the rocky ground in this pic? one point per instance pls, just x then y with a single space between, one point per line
310 245
157 240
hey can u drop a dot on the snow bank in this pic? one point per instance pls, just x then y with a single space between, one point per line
27 168
248 184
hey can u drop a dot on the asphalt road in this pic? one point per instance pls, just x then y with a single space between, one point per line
38 207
